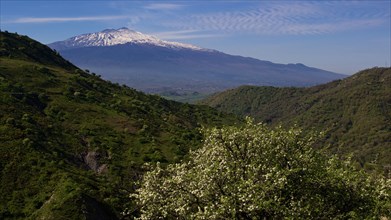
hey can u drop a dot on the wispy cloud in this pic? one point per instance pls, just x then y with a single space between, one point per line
323 28
298 18
163 6
184 34
65 19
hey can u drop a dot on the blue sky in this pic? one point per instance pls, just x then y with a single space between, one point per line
340 36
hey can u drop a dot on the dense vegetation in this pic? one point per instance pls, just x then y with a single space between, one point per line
253 172
72 144
183 96
354 112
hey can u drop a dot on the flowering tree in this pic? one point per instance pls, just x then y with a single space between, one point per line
254 172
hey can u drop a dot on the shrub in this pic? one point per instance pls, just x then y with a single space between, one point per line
253 172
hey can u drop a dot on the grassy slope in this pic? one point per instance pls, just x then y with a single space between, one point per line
53 115
354 112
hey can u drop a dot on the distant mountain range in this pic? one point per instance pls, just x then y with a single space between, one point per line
152 65
355 112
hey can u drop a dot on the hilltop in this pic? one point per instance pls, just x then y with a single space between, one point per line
72 143
355 112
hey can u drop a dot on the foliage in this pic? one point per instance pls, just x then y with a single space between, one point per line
354 112
253 172
189 96
72 144
24 48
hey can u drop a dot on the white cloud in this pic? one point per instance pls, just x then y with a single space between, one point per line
330 27
163 6
66 19
183 34
298 18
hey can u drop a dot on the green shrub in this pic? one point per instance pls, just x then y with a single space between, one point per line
253 172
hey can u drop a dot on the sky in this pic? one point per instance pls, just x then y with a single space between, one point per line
339 36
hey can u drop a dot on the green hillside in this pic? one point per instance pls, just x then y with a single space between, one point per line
355 112
72 144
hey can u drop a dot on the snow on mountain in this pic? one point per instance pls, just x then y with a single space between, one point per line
149 64
110 37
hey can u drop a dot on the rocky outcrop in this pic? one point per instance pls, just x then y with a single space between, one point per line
92 160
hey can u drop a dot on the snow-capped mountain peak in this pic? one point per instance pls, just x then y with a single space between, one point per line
110 37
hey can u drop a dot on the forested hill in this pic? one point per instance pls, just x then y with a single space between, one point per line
24 48
72 144
354 112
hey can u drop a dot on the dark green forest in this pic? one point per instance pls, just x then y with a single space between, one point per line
73 144
354 113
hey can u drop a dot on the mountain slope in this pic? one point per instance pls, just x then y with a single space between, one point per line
354 112
152 67
72 144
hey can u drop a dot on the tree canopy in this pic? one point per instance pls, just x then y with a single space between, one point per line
355 113
252 172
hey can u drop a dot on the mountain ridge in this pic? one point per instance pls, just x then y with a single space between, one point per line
111 37
354 112
152 68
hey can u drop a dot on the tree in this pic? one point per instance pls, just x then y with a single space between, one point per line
253 172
